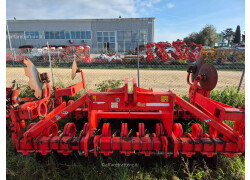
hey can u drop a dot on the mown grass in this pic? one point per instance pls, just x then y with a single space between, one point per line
117 166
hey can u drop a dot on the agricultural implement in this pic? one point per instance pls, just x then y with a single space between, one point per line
196 52
107 58
161 53
141 121
209 53
150 53
181 50
80 52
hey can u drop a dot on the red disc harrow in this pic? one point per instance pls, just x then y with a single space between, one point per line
141 121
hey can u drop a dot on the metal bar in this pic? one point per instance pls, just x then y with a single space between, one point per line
41 125
130 115
138 64
208 120
13 57
241 79
52 76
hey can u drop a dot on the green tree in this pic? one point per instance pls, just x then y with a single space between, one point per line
207 37
228 35
237 35
193 37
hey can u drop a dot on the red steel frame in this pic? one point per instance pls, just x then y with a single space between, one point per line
42 137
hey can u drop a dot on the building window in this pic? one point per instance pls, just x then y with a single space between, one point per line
143 35
128 40
31 35
127 36
88 35
52 35
46 35
73 35
120 36
57 35
83 34
99 37
62 35
67 35
105 41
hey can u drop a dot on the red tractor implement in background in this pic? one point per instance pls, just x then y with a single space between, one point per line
141 121
161 52
150 53
196 52
80 52
8 57
181 50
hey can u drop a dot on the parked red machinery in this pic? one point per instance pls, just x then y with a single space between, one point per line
12 99
107 58
8 57
18 57
181 50
161 52
150 115
196 52
80 52
150 53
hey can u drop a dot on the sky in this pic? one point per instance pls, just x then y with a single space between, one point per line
175 19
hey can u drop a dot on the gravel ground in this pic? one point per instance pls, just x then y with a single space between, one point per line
159 80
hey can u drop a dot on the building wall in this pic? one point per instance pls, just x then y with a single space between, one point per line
18 27
42 26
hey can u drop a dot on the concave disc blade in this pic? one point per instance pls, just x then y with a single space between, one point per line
211 77
33 75
74 69
200 61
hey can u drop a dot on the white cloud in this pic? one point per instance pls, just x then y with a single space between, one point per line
74 9
170 5
64 9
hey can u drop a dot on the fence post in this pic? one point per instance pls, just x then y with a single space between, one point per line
52 77
138 64
241 79
234 58
11 50
58 55
217 55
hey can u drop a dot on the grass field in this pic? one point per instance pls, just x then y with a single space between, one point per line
159 80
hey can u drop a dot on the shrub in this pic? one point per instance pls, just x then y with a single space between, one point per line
179 62
109 84
228 96
25 92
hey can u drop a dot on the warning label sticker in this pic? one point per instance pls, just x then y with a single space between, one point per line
114 105
164 98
